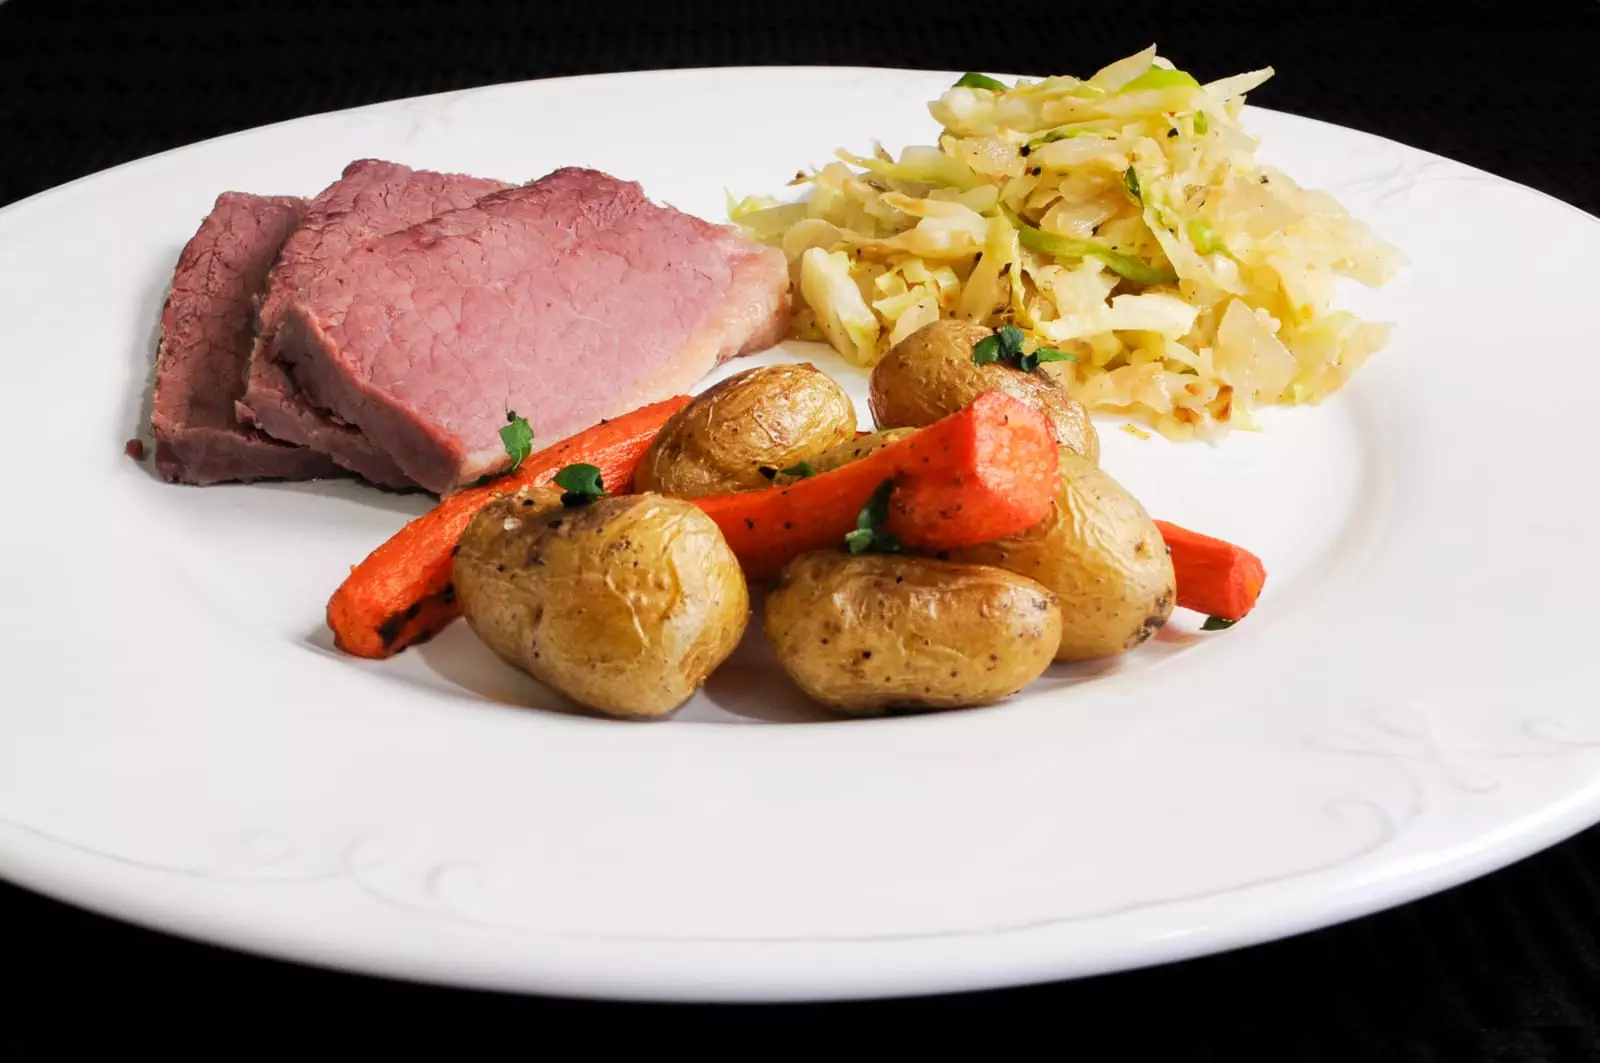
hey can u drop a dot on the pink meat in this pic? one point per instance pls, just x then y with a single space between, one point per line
371 199
205 344
567 300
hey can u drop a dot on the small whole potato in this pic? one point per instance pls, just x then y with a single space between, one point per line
854 450
773 417
625 605
1102 554
930 374
871 632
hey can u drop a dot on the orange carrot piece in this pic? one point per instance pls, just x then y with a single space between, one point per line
1214 577
984 473
402 594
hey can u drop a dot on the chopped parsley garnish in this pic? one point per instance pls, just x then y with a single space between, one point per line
1006 346
1130 181
1201 124
580 485
1030 362
972 80
1217 623
801 469
517 435
870 533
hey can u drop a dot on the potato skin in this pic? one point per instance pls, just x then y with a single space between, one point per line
1101 553
930 374
854 450
863 634
774 416
625 605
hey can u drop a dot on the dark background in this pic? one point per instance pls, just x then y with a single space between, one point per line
1504 969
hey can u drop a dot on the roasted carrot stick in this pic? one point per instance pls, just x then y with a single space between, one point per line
1214 577
402 594
983 473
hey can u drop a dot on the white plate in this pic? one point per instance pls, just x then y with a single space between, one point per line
1413 703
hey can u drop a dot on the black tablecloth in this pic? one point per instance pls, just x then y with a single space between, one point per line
1507 968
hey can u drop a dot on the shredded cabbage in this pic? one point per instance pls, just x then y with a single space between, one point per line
1121 219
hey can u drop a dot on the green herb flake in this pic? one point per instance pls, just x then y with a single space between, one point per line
1029 362
1005 347
1217 623
1011 339
1130 181
800 469
986 350
870 533
1202 125
580 485
517 436
973 80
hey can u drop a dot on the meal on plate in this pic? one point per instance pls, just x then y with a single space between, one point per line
1067 246
1122 222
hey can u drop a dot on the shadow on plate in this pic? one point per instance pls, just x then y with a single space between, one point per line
137 407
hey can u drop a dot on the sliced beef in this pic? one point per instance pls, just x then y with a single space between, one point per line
371 199
567 300
205 343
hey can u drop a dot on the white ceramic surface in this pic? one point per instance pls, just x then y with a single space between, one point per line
1413 703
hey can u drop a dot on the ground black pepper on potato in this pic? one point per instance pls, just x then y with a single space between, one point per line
1100 551
769 418
625 605
845 453
866 633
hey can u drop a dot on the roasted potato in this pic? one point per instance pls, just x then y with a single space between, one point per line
624 605
771 417
1101 553
854 450
866 633
930 374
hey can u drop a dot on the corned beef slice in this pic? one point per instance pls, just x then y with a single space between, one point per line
567 300
371 199
205 342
